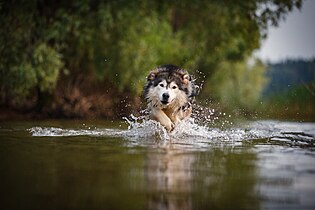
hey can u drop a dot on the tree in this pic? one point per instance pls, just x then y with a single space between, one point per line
238 84
118 42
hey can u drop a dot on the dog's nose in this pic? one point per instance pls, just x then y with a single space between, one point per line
165 96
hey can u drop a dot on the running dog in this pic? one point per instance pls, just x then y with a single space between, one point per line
169 92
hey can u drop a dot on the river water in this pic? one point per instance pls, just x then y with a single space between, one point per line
136 164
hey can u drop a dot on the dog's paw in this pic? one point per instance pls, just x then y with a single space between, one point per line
170 127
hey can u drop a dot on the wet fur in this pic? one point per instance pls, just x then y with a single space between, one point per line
178 84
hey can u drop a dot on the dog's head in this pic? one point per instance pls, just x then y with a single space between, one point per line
168 85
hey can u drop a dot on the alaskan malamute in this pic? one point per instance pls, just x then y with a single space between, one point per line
169 92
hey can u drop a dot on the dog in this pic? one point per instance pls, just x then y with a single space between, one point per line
169 92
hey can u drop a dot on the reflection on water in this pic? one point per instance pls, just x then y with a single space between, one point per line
68 165
222 178
169 174
228 180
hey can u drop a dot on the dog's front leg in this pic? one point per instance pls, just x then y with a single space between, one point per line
177 117
160 116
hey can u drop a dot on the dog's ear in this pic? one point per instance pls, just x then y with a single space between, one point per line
151 76
186 78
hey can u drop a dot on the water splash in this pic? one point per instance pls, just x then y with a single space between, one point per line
142 127
189 133
60 132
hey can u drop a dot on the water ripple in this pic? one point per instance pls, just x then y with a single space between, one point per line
193 134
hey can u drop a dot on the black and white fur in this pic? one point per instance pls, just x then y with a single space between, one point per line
169 92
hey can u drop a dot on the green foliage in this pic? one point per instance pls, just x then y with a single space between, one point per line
299 95
41 71
297 103
118 42
238 84
142 47
26 61
47 64
290 92
21 79
287 74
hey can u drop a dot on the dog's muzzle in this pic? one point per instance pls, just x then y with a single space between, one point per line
165 97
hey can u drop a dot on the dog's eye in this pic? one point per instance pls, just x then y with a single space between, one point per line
161 85
174 87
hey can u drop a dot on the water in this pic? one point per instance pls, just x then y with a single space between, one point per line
136 164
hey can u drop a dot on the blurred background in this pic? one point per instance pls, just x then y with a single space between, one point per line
90 58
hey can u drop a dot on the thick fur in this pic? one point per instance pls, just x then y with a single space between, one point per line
169 92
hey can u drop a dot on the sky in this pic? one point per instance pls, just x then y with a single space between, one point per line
293 38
